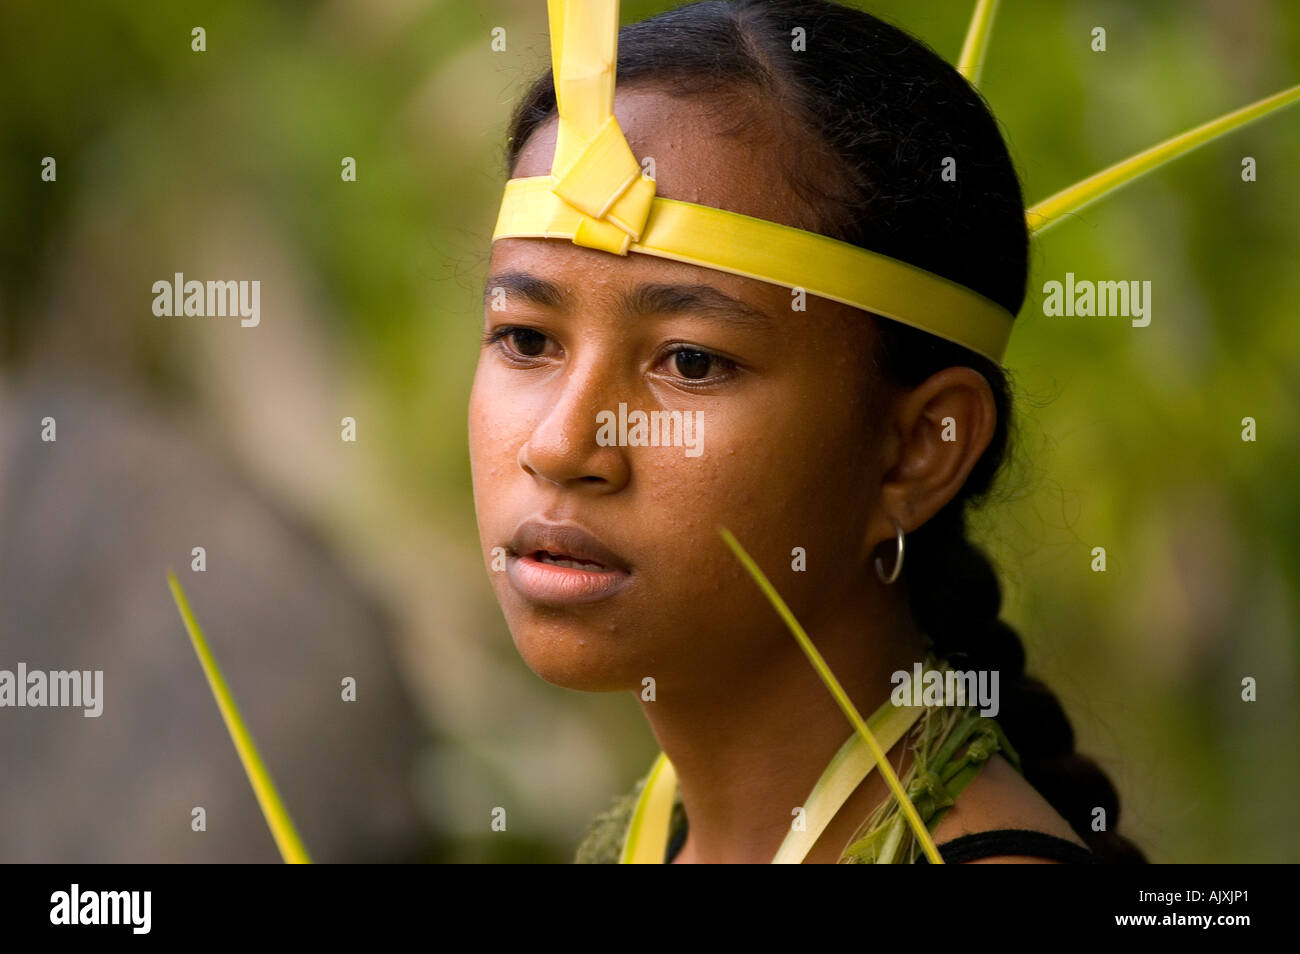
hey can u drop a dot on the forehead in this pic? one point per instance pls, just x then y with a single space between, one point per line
728 155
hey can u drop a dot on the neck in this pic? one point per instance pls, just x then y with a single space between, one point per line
747 749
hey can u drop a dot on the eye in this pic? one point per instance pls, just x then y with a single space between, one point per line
694 364
518 341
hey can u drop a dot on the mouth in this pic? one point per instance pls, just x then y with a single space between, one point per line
560 564
559 559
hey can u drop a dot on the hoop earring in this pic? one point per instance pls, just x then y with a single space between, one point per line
898 562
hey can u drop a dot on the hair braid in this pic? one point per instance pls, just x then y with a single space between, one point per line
956 599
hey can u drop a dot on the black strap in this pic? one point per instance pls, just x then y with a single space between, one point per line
675 845
1012 841
984 844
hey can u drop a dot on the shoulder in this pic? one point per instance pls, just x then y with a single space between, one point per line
1000 798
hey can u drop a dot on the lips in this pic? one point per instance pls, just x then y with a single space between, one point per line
558 564
556 543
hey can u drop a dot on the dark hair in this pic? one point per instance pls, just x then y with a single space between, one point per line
887 109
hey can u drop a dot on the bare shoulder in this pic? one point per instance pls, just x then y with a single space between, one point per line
1001 798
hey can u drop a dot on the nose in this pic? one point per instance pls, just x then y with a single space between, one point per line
563 450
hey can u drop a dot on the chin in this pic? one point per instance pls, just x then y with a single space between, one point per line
568 660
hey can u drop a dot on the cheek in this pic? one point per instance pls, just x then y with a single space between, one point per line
762 477
494 443
479 422
778 481
495 427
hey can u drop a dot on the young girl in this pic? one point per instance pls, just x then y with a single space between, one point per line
841 448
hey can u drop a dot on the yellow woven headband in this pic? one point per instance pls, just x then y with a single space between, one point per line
598 197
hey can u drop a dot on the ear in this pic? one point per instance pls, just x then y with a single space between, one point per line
935 436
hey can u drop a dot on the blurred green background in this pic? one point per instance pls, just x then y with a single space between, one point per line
226 164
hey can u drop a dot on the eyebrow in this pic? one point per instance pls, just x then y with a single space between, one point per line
646 299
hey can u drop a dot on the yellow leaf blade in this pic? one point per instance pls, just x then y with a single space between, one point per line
971 62
1044 214
273 810
837 691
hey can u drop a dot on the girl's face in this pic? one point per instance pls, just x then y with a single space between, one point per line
778 447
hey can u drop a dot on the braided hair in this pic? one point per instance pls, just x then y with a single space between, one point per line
888 111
